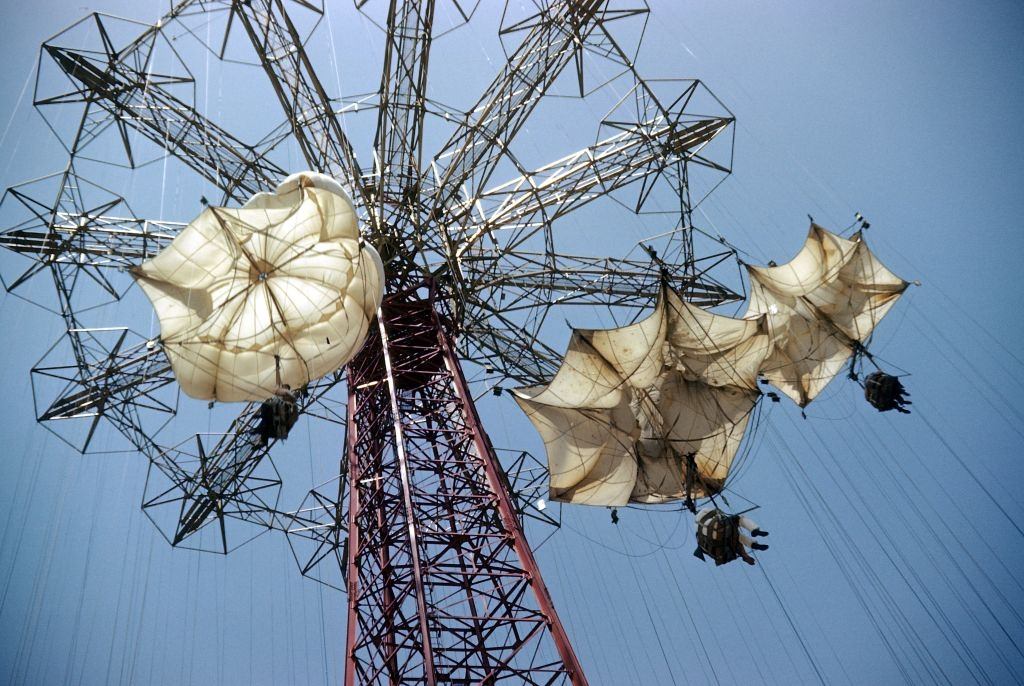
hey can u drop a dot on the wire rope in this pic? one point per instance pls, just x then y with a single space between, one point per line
902 566
792 624
898 500
650 615
857 559
681 594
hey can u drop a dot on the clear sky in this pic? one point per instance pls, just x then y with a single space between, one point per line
906 112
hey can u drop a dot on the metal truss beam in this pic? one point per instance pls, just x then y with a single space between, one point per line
399 136
121 86
398 140
474 150
442 586
536 199
93 241
306 105
526 280
505 346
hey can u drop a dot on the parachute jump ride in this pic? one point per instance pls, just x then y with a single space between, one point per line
355 293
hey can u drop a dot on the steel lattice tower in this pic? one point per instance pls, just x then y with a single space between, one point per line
442 584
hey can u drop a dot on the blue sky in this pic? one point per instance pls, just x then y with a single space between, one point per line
907 112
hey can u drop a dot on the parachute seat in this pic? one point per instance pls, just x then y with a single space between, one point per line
885 392
718 536
277 415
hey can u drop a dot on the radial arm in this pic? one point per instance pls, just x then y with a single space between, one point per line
529 202
134 98
399 137
316 127
91 241
525 280
474 150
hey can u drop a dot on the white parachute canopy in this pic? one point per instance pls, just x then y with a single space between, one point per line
279 291
820 306
655 411
650 412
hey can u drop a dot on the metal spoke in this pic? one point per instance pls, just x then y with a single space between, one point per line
92 241
495 341
122 87
526 280
474 150
399 137
526 204
308 108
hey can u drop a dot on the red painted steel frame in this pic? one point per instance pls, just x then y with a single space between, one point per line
442 585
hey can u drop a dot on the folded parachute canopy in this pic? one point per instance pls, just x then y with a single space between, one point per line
656 411
650 412
820 306
279 291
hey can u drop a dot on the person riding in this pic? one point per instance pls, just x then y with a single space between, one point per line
277 415
886 392
720 536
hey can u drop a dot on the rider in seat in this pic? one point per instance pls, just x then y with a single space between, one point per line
719 536
277 414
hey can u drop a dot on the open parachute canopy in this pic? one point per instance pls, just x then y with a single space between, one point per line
656 411
278 291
